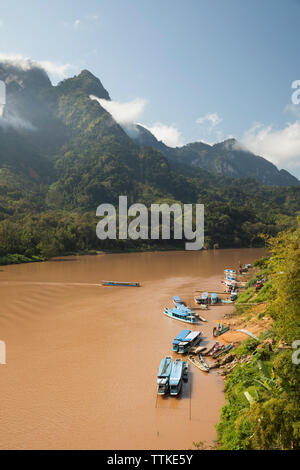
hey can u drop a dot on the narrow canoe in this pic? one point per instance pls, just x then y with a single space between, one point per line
198 364
120 284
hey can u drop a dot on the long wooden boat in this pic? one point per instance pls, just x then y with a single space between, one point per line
220 330
201 318
223 350
214 348
198 364
120 284
176 377
185 373
197 350
180 315
163 375
203 362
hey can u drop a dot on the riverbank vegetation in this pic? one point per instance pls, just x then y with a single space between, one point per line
262 409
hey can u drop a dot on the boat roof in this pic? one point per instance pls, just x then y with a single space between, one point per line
176 298
214 295
204 295
165 367
191 336
182 308
162 381
182 313
176 372
181 336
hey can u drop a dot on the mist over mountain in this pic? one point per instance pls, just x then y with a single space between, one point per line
228 158
62 154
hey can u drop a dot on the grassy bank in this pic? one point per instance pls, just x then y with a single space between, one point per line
262 409
18 259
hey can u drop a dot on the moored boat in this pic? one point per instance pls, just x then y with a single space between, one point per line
181 315
198 364
176 377
163 375
198 301
222 350
214 298
220 329
229 271
177 301
203 362
197 350
180 337
201 318
214 348
185 373
192 339
204 298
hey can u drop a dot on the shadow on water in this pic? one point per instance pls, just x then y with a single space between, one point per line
63 260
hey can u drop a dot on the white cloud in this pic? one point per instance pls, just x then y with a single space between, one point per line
210 119
55 70
210 131
280 146
294 109
59 71
127 115
81 22
92 17
124 113
170 135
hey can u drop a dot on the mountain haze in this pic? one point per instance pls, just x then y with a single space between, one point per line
62 154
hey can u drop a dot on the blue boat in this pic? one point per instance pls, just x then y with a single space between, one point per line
120 284
180 337
204 298
163 375
229 271
191 340
183 308
177 300
214 298
176 377
180 315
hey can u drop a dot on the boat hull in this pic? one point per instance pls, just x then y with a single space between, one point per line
180 319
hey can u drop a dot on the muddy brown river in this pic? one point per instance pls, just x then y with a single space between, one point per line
82 360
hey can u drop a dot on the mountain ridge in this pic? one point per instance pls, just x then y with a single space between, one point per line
227 158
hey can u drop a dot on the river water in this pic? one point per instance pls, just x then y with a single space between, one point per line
82 360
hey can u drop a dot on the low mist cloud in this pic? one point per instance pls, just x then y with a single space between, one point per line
123 113
280 146
55 70
169 135
16 122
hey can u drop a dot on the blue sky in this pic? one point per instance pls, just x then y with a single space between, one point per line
189 70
